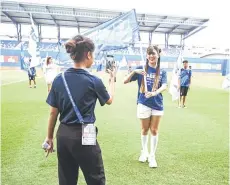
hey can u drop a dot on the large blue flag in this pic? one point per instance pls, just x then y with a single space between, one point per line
117 33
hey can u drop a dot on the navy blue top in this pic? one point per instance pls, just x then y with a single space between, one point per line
155 102
32 71
85 90
185 76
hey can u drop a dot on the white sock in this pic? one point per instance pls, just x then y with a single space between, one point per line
153 146
144 143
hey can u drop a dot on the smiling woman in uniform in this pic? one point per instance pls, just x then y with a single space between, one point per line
150 101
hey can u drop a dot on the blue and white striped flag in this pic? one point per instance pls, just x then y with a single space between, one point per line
173 90
117 33
33 49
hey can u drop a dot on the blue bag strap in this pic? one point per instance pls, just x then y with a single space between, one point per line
78 114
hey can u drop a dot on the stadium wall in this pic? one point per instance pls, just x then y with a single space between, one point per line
10 59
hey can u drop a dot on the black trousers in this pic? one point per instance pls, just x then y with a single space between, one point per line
72 155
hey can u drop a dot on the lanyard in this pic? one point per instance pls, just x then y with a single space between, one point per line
76 110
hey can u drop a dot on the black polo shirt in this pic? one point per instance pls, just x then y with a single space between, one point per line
85 90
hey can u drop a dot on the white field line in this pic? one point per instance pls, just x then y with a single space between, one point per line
15 82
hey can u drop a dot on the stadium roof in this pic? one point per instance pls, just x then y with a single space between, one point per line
63 16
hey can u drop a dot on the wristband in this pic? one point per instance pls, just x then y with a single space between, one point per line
157 92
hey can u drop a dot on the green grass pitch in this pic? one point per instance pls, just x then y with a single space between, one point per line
193 142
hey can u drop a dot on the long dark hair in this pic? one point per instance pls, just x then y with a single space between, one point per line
78 47
157 77
47 60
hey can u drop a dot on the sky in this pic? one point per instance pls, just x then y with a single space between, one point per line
217 34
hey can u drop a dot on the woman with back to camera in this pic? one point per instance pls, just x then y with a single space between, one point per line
73 148
150 101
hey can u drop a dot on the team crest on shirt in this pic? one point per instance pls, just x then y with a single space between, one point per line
153 75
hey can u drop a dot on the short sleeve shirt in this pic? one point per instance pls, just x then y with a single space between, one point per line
155 102
85 89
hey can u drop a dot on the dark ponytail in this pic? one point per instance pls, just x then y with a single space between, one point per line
47 60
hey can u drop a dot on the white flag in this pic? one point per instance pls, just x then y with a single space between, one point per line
33 47
226 83
123 62
173 90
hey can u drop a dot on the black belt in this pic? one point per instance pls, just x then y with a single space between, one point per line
71 130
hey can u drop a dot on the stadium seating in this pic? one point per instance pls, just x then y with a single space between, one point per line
172 51
15 45
11 55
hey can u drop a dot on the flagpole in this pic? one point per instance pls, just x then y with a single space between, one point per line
142 58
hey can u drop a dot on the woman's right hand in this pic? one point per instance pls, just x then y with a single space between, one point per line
49 148
140 71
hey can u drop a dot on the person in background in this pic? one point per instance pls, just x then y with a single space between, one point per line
31 74
184 83
190 67
129 69
50 71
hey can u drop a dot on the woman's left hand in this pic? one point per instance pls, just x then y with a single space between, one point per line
150 94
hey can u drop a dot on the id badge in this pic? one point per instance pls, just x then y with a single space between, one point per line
88 134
